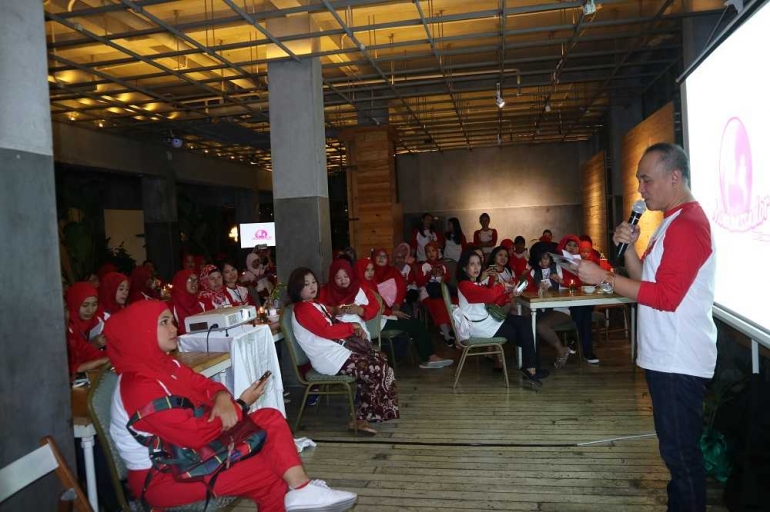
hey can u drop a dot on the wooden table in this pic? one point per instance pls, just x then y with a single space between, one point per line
567 299
207 364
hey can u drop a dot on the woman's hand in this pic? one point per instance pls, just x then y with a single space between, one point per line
99 340
359 331
225 410
253 393
401 315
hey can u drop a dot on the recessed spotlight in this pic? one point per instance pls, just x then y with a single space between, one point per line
499 101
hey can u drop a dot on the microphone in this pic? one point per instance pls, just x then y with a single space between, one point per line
637 210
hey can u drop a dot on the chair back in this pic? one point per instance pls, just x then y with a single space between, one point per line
374 324
451 266
298 356
100 409
448 304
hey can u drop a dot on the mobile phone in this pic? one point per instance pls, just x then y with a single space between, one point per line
264 377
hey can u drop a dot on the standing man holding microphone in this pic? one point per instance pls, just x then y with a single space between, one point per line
673 282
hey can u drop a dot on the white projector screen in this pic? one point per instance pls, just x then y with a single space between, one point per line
727 126
257 233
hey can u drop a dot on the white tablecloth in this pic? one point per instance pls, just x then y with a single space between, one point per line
252 352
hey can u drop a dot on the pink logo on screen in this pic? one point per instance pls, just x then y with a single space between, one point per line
261 234
735 213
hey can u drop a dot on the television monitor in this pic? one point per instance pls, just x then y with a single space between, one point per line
257 233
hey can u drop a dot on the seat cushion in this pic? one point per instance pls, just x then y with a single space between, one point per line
314 376
391 333
484 341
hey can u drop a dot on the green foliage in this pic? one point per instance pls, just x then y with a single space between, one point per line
119 257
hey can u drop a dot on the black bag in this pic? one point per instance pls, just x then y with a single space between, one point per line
434 290
358 344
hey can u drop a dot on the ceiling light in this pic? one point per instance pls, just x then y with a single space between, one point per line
589 7
547 106
100 124
499 101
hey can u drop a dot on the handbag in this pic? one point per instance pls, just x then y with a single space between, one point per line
240 442
358 344
496 312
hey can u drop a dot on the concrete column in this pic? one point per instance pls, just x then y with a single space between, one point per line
34 377
300 187
161 225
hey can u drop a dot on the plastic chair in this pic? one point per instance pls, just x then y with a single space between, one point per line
36 464
312 377
100 410
494 344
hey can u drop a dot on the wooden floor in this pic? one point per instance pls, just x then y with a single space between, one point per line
585 442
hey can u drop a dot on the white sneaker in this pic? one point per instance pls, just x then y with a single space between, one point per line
439 363
316 496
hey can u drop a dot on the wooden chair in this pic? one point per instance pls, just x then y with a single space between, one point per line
100 410
36 464
489 346
346 383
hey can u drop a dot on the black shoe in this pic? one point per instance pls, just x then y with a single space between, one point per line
450 343
531 380
592 359
542 373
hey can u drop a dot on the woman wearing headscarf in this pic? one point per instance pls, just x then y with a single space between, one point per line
142 283
81 305
430 274
212 289
323 338
113 294
402 262
141 336
569 245
392 317
184 297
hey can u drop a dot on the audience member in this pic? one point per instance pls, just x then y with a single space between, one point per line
455 240
142 285
80 313
486 237
430 274
113 294
323 338
424 235
547 276
184 297
239 295
141 337
212 292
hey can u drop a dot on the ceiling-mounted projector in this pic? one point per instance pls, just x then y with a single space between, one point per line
220 319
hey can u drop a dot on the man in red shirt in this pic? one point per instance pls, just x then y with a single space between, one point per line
673 282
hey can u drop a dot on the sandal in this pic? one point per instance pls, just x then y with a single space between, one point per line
363 428
561 361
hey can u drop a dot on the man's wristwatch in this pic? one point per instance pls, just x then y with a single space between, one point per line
244 407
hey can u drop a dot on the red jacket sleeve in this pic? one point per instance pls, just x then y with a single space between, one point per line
80 351
371 309
314 321
494 238
177 426
476 239
420 277
475 294
413 240
686 247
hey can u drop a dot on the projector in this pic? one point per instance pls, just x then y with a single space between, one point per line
220 319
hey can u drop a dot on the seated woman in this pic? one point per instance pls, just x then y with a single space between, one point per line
401 262
257 275
83 303
239 295
113 294
322 337
142 285
455 240
212 294
392 317
497 264
184 297
430 274
141 336
473 298
486 237
582 315
547 276
518 257
80 318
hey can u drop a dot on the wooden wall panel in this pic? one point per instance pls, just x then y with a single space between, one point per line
376 217
594 174
659 127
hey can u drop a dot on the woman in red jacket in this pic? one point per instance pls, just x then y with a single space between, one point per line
430 274
113 294
80 314
184 297
322 334
140 338
392 317
473 298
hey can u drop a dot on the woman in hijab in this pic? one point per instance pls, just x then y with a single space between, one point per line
80 312
392 317
402 261
142 285
141 336
323 338
113 294
184 297
212 294
430 274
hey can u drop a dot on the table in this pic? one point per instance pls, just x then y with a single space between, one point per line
207 364
566 299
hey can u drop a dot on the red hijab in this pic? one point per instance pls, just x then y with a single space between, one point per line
107 291
139 288
360 270
185 303
567 238
75 296
335 295
105 269
507 243
208 293
438 251
388 271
